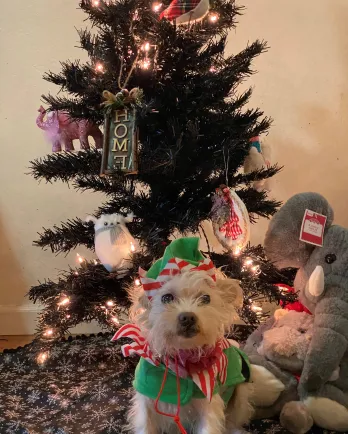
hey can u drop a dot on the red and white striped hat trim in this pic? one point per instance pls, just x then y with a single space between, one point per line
173 267
205 379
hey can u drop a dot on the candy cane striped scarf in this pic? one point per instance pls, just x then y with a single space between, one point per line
205 379
173 267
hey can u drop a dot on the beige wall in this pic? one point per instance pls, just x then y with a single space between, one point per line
33 39
302 83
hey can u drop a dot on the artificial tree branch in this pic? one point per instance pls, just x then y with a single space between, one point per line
194 134
66 166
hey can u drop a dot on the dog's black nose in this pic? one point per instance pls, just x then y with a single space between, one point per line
187 319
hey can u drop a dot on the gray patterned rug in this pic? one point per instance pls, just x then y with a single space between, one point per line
83 388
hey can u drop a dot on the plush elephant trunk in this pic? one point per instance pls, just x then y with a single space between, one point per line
330 335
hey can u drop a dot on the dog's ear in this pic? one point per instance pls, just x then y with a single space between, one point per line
140 303
231 292
144 302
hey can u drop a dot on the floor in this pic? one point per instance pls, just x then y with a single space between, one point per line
14 341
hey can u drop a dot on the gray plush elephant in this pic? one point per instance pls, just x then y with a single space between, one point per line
322 284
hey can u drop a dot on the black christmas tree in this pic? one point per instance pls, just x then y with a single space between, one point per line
194 132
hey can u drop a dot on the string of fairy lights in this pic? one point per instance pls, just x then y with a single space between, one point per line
145 48
144 61
108 307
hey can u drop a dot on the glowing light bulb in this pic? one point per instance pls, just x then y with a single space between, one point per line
255 268
76 273
110 303
95 262
41 358
145 64
132 247
49 332
156 6
256 308
137 282
212 69
213 17
96 3
248 262
283 289
64 302
80 258
99 67
237 250
146 46
68 316
115 320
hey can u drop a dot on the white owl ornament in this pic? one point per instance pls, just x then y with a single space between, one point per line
113 242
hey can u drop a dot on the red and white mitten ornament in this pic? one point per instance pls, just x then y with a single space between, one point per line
186 11
230 218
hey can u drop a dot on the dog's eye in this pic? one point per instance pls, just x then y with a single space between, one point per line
167 298
105 223
204 299
330 258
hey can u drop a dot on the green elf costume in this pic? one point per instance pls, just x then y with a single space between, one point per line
187 376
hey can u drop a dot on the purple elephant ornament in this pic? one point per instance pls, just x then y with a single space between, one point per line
61 130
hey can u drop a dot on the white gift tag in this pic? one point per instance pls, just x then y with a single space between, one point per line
312 230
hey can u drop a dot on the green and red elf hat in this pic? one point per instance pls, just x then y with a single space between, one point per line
182 255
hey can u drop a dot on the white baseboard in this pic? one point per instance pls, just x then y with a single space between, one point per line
21 320
18 320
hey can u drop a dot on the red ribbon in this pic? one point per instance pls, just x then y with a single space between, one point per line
176 416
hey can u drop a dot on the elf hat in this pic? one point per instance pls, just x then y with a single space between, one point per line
180 256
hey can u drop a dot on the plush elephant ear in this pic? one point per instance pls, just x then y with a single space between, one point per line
129 218
282 243
91 218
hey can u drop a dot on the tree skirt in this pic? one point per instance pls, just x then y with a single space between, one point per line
84 387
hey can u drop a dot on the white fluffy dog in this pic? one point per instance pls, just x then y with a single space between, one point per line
190 312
